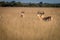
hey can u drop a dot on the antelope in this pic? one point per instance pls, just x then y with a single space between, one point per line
40 14
48 18
22 14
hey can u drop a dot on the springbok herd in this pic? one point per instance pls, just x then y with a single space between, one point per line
40 15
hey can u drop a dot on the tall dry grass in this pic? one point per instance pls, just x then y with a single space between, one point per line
31 27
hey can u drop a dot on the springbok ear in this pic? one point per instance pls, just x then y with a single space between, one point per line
37 12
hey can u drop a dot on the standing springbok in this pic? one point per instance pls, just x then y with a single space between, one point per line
40 14
22 14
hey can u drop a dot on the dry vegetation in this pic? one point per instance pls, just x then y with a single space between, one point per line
31 27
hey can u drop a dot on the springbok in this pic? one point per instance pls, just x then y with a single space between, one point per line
22 14
48 18
40 14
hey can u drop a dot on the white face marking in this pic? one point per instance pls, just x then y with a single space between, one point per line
38 15
42 16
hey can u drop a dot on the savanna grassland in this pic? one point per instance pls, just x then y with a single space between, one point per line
29 27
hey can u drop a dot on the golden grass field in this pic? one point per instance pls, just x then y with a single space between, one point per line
31 27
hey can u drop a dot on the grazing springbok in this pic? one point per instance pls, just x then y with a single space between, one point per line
22 14
48 18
